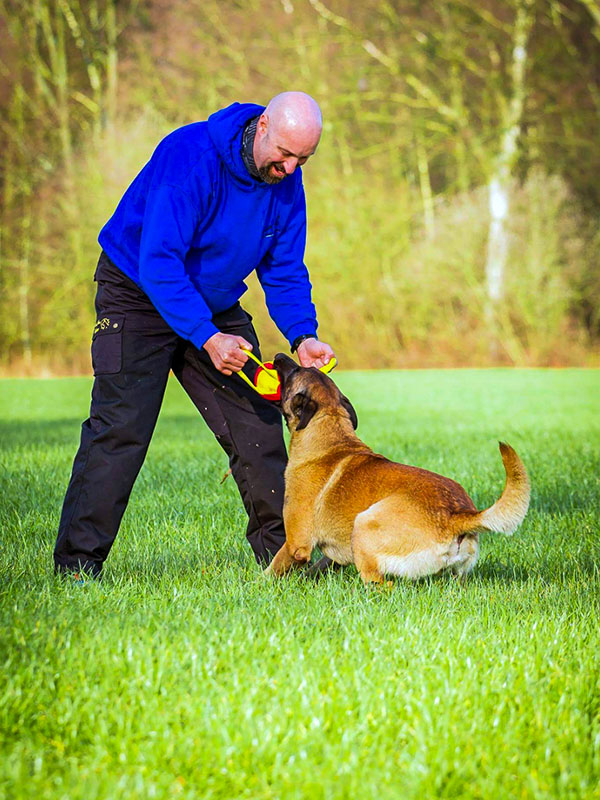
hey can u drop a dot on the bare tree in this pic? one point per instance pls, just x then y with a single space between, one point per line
504 162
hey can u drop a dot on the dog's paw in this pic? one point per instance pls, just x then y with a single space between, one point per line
379 586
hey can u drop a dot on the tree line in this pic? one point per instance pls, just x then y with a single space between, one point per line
453 203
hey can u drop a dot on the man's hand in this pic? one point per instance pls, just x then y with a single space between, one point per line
226 352
313 353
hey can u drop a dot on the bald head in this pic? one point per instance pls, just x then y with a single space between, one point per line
296 113
287 134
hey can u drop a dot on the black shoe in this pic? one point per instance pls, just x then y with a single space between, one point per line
79 579
81 573
320 567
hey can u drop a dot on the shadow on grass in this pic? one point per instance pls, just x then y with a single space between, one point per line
550 572
491 571
241 564
506 573
220 569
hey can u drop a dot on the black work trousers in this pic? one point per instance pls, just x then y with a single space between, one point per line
133 350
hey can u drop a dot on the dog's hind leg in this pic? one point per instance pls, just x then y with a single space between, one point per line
468 547
364 535
384 543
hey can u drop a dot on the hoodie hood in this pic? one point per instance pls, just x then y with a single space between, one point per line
225 130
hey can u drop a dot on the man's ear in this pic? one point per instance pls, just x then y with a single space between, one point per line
263 122
304 408
350 409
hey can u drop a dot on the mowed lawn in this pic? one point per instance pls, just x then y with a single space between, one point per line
184 673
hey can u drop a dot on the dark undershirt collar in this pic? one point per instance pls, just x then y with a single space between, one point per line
248 147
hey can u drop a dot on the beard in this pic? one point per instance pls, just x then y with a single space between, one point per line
269 175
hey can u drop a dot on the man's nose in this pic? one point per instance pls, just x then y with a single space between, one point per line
290 165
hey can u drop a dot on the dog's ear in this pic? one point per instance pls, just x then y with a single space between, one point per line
350 409
304 408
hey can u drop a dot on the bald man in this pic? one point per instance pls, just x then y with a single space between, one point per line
217 201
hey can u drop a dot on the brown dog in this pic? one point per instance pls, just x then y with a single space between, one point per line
357 506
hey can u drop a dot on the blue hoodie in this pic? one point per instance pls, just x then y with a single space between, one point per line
194 224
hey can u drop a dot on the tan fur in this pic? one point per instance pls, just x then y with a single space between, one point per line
359 507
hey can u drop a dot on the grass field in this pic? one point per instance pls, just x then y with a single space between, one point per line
185 674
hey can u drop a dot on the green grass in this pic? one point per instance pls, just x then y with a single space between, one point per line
184 673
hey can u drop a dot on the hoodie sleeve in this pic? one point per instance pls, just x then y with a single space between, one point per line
170 219
284 277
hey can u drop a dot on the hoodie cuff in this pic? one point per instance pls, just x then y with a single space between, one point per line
306 328
202 333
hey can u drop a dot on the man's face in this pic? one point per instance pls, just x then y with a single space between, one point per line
277 153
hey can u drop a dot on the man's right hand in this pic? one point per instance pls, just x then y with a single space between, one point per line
226 352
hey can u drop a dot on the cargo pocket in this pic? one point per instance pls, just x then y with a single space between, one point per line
107 344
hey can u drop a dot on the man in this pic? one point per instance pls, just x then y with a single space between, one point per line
217 200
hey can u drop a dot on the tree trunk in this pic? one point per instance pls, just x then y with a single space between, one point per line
111 65
499 184
425 185
18 196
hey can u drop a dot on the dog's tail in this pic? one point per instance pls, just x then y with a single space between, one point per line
508 512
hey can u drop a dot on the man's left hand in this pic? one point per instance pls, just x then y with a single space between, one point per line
313 353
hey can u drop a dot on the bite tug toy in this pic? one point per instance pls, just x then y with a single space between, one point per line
266 380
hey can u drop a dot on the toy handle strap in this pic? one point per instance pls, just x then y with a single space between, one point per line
244 377
326 368
251 355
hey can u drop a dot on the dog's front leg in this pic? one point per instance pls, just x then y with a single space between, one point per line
287 558
297 549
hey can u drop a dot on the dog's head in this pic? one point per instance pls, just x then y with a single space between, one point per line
306 391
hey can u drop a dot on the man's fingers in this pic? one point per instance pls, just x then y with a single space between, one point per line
234 366
227 354
243 343
237 358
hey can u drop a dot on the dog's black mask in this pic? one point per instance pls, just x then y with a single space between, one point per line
303 404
